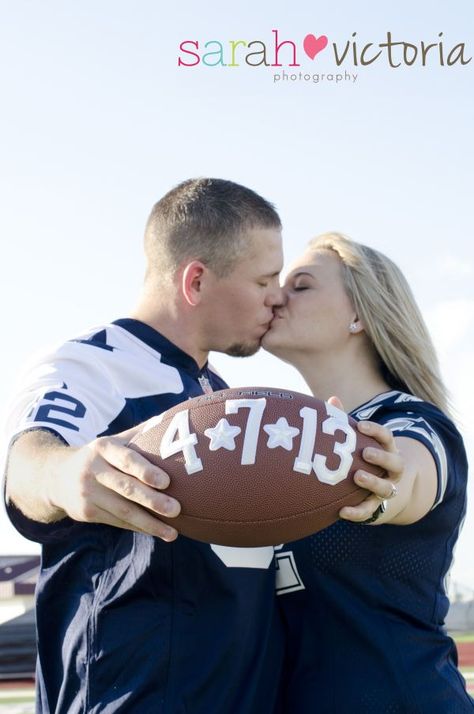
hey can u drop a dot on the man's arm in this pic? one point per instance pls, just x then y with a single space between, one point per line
101 482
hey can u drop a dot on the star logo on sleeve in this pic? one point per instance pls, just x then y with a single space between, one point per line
222 436
281 434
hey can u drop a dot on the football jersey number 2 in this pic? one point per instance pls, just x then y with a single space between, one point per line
49 412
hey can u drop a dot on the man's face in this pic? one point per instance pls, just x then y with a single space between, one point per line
240 305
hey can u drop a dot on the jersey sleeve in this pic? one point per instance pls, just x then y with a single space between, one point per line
68 393
415 426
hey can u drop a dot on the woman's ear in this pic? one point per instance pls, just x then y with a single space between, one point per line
356 326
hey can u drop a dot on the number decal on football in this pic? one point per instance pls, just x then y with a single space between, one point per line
184 442
255 466
336 420
179 439
304 461
256 408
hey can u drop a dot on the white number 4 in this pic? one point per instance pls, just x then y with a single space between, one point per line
177 438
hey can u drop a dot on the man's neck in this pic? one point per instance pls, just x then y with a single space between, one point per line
176 325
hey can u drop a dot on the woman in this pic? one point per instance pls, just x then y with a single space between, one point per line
366 604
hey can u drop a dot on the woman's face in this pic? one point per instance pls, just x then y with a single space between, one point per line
316 313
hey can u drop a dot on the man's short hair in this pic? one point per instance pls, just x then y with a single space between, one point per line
204 219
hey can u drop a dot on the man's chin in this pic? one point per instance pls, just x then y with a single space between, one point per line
243 350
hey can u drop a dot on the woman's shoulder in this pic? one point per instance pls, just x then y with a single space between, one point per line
408 416
405 408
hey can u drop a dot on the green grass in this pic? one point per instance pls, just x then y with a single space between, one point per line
465 637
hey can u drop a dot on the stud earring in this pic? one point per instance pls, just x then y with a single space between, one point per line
353 327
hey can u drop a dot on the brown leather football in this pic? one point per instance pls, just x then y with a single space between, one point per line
256 466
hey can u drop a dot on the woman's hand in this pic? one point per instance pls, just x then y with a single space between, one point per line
381 488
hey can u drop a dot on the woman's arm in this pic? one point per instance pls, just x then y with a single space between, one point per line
409 465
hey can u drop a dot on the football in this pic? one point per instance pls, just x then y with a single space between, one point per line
256 466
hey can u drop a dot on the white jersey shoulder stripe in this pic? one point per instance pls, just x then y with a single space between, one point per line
367 410
418 425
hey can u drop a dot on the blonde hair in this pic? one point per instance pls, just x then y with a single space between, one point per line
392 320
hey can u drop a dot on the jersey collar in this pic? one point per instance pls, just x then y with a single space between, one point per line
170 353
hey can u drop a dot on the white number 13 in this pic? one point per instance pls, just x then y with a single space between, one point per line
304 462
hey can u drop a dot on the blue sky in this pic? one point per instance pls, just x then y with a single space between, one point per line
98 121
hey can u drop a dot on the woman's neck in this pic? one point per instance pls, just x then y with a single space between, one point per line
353 381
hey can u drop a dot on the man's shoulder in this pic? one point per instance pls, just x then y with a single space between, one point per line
105 380
108 337
104 348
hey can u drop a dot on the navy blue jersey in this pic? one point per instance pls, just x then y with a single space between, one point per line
364 606
127 622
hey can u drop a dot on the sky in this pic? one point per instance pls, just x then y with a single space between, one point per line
99 120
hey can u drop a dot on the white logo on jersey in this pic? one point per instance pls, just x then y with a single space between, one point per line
244 557
288 580
205 385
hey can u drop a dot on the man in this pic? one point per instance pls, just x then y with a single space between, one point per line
126 621
131 619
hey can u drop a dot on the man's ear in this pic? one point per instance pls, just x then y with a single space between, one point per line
191 282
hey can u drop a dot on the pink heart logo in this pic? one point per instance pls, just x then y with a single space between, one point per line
312 45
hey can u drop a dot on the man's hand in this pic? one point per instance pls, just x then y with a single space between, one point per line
101 482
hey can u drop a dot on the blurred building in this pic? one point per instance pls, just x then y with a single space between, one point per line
18 575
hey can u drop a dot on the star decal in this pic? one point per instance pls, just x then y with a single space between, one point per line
222 436
281 434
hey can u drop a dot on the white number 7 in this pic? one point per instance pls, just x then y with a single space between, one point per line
256 408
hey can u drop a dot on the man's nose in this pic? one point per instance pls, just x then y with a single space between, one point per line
275 297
